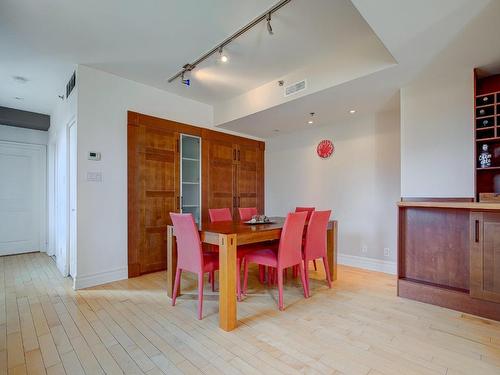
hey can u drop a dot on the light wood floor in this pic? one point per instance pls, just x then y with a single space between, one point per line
357 327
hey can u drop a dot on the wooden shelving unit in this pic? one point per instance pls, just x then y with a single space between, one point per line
487 130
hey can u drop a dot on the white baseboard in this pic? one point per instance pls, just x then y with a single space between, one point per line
100 278
368 263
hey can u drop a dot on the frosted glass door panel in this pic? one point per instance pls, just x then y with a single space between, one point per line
190 175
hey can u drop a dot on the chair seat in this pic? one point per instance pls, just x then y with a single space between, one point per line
265 257
210 262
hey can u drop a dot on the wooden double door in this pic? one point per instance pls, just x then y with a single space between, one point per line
232 176
235 176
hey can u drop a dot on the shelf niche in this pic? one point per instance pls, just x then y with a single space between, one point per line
487 129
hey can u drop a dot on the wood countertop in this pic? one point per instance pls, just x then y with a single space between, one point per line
460 205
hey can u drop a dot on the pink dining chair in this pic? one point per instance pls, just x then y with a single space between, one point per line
309 211
289 253
190 256
220 214
315 244
246 213
224 214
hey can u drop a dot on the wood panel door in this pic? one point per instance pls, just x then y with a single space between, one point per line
221 182
485 256
153 194
250 179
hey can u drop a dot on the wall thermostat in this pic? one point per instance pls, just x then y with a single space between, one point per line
94 155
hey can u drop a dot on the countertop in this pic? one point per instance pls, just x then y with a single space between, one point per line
460 205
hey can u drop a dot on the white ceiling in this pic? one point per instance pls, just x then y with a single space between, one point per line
417 34
149 41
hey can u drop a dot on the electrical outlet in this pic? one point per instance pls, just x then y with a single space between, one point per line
387 252
364 249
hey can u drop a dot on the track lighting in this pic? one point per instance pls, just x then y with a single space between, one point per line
310 122
269 27
222 57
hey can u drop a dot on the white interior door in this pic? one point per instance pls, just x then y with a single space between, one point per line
22 198
72 198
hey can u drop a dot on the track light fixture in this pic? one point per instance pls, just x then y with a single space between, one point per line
223 58
263 17
269 27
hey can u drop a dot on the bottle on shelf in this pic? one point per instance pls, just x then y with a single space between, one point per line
485 157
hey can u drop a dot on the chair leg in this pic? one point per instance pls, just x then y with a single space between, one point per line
280 289
303 279
262 276
327 271
176 285
212 279
200 295
245 277
315 267
306 275
238 278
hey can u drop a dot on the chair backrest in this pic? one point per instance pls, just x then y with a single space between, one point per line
315 245
246 213
309 211
219 214
290 247
189 251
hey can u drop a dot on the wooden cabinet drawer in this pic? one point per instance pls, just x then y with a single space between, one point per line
485 111
485 99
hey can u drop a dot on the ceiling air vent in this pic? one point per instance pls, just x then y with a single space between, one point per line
295 88
71 84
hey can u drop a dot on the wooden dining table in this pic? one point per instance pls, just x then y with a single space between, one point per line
228 235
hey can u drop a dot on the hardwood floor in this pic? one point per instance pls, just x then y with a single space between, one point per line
357 327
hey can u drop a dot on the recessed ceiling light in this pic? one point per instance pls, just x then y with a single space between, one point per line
18 98
20 79
310 122
352 111
276 130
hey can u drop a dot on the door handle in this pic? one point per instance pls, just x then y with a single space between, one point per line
238 201
477 230
234 201
177 203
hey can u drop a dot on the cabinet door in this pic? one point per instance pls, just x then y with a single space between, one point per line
221 175
153 194
485 256
250 177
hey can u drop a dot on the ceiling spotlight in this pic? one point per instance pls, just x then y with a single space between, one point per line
352 111
222 57
269 27
185 81
310 122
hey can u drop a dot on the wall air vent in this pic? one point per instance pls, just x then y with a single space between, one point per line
71 85
295 88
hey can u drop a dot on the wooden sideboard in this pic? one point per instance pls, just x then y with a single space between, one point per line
232 175
449 255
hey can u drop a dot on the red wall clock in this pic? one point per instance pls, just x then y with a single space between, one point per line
325 149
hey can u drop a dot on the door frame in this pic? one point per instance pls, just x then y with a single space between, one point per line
71 251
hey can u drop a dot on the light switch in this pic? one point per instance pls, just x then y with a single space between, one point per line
95 156
94 176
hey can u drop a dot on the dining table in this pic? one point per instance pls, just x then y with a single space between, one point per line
227 235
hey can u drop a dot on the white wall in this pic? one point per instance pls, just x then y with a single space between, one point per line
437 139
360 182
103 102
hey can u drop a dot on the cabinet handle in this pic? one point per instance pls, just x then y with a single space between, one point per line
238 155
234 155
477 230
238 201
234 201
177 202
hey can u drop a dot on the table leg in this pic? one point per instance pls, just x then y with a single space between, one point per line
227 282
331 249
171 261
